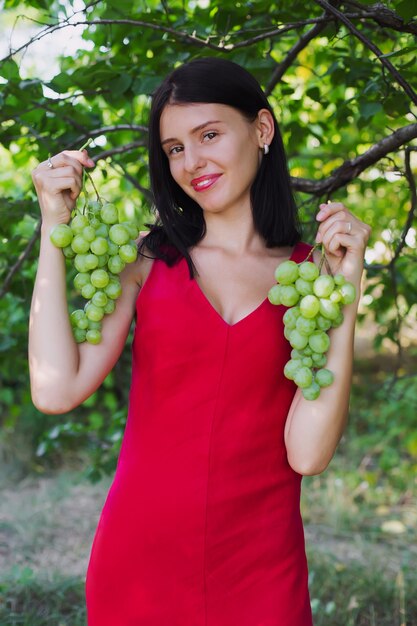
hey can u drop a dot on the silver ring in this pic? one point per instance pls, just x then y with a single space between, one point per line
49 163
349 226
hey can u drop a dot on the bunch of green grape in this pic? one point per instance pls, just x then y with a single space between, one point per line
314 304
99 246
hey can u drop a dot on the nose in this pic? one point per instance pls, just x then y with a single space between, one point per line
193 158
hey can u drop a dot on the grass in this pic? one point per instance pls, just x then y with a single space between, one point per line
26 600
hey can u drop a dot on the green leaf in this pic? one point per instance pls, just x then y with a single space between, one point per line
406 9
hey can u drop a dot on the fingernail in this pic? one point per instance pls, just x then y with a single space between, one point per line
320 214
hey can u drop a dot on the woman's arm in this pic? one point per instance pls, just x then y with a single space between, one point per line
314 428
63 373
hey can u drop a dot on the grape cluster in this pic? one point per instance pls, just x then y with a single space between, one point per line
314 304
99 246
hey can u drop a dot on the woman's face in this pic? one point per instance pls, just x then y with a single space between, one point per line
213 153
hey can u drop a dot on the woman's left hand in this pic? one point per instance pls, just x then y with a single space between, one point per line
344 238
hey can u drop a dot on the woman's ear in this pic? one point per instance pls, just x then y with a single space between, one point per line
265 128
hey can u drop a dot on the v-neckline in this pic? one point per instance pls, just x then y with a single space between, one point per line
251 313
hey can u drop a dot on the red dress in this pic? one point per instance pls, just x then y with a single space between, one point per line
202 525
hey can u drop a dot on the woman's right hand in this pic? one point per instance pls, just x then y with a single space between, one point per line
58 187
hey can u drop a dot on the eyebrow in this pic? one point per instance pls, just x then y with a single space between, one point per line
194 130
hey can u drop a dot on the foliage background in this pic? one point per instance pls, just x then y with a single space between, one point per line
342 79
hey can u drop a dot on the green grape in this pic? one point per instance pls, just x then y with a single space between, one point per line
307 351
274 294
348 293
128 253
78 223
324 377
115 264
118 234
68 252
89 233
94 207
80 245
94 325
287 332
80 263
109 306
102 230
286 273
291 368
303 377
99 246
102 260
308 270
309 306
81 279
338 321
132 229
79 334
113 290
88 291
100 278
109 214
113 248
319 341
61 235
328 309
323 323
93 336
305 325
100 299
95 222
296 354
93 312
339 280
78 319
311 392
319 359
304 287
323 286
290 317
335 296
308 361
289 295
91 261
297 340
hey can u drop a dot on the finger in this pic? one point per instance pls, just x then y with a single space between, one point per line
328 222
70 157
66 172
67 183
330 209
328 230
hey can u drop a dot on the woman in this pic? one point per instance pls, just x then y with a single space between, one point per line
201 525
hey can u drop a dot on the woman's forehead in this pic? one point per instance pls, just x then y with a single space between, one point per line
188 116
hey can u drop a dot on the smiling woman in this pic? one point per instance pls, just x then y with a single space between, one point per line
202 524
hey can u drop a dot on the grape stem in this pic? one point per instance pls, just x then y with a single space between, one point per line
87 143
323 258
85 176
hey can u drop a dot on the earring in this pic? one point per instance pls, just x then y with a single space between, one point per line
266 148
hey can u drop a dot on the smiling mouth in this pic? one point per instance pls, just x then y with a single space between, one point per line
205 183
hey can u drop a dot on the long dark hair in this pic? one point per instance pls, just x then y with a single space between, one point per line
180 221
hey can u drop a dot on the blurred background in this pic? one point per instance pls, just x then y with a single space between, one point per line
342 79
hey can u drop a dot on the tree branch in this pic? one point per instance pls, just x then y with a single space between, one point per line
371 46
292 55
351 168
21 259
121 150
107 129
